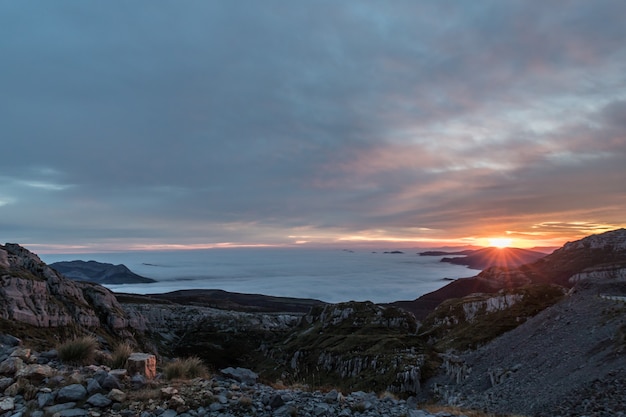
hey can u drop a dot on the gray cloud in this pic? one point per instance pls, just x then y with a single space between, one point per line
252 122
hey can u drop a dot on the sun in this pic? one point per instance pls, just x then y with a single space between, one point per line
500 242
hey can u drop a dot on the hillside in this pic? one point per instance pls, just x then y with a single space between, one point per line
606 250
567 360
35 297
98 272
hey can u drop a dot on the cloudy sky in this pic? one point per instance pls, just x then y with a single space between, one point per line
155 124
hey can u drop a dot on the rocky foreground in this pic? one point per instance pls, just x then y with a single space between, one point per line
39 385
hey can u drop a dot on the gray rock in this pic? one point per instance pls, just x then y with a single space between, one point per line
11 365
37 413
45 399
5 383
240 374
138 381
7 404
110 382
73 392
7 339
216 407
100 376
35 372
276 401
99 400
93 386
50 355
53 409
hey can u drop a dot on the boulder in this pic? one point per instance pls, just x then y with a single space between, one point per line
7 339
11 365
36 373
99 400
93 386
240 374
143 364
22 353
5 383
73 392
7 404
117 395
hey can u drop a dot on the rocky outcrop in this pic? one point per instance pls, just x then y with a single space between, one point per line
98 272
475 320
600 274
34 294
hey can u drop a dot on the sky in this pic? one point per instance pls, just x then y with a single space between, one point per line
189 124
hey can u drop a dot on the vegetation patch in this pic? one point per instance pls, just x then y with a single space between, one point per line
448 327
188 368
352 346
120 355
79 351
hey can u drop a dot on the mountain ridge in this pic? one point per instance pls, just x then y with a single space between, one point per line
99 272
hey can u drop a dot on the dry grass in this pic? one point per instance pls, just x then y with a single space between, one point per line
187 368
120 355
79 351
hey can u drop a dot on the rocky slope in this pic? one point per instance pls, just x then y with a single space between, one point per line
542 366
33 295
98 272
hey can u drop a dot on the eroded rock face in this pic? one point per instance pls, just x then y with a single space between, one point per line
33 293
359 345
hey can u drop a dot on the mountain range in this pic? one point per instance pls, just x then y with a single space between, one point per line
488 257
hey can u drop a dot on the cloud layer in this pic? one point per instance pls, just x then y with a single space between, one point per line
275 122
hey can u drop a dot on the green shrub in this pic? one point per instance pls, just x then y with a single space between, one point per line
120 355
188 368
79 351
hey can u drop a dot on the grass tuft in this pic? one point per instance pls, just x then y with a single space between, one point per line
187 368
120 355
79 351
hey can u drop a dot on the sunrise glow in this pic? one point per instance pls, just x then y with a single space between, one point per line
500 242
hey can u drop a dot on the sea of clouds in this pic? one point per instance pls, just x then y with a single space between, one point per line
329 275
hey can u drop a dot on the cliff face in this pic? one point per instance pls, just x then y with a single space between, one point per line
34 294
354 345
